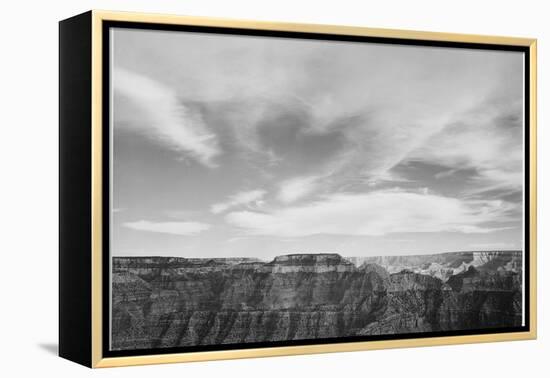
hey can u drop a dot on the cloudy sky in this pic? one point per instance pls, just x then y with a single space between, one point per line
253 146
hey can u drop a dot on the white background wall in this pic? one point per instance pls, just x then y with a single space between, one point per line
28 200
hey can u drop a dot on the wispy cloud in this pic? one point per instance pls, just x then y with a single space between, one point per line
487 139
242 198
325 129
167 119
296 188
174 228
375 213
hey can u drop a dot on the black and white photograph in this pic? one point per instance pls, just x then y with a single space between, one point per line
268 189
275 189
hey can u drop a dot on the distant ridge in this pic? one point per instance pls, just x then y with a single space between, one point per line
447 264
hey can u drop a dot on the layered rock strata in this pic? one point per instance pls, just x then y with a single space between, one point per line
167 302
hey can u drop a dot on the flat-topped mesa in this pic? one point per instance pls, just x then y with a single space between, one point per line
152 265
306 262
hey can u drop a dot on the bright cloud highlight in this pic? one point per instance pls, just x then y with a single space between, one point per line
375 213
174 228
241 198
167 119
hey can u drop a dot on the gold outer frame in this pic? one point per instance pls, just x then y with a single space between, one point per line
97 355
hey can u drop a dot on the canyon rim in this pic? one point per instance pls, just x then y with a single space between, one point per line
161 302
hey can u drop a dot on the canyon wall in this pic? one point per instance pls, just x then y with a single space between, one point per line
166 302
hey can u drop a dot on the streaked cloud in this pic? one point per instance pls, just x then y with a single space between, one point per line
375 213
296 188
487 139
162 116
325 129
174 228
250 197
385 100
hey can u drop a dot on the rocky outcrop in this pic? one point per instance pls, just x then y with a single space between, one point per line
312 263
166 302
482 297
445 265
379 270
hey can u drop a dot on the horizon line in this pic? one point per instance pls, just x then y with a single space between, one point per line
322 253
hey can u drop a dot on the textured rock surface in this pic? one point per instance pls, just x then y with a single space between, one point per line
167 302
445 265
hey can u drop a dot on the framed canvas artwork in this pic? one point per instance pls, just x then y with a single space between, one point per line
235 189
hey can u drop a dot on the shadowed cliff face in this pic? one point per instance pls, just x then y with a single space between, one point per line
167 302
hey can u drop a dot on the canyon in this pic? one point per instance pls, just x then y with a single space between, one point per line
160 302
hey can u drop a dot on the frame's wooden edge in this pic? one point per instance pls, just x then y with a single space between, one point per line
309 28
309 349
98 16
533 185
97 240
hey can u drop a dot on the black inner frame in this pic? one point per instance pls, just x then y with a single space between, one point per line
106 25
